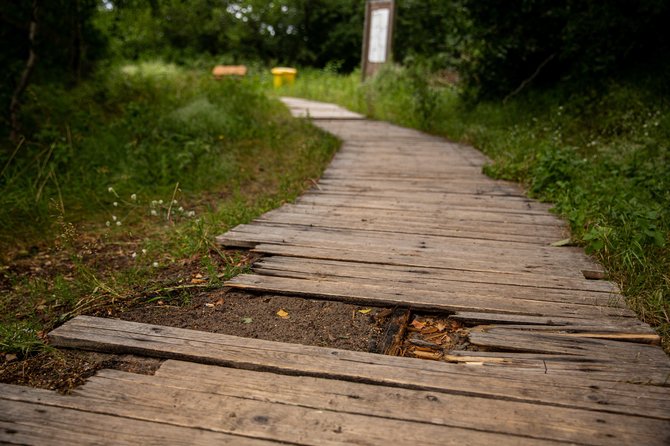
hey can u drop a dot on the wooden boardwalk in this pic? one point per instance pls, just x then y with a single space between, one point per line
399 219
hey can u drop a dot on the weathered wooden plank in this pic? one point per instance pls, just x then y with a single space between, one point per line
403 259
444 229
421 299
566 365
260 415
533 286
318 110
429 257
480 217
533 387
38 417
428 199
510 339
480 414
476 318
426 244
447 288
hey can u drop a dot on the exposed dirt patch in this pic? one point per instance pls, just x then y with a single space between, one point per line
63 370
270 317
308 322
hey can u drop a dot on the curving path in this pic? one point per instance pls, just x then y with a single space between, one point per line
401 219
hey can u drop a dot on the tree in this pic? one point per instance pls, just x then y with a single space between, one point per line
52 41
546 41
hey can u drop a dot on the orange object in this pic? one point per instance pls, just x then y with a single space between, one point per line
220 71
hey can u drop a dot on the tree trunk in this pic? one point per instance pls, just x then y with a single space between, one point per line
15 104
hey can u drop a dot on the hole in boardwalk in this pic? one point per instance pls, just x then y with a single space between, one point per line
283 318
425 336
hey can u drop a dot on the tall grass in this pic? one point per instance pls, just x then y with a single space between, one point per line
132 172
137 128
602 157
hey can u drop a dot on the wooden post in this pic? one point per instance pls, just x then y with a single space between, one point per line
378 35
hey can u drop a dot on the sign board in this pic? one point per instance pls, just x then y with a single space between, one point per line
378 36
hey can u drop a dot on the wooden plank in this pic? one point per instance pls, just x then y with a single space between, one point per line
396 203
259 415
480 414
253 354
481 217
39 417
445 287
424 244
422 299
445 199
566 365
444 229
565 289
318 110
423 256
402 259
510 339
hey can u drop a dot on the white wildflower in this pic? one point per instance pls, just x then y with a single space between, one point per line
133 255
108 223
133 197
155 264
191 213
118 223
174 202
110 190
144 251
154 213
160 201
181 209
115 204
114 217
153 203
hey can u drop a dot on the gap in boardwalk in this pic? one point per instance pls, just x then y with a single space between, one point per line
273 317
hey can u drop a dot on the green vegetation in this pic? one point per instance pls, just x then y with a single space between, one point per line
116 161
603 158
130 174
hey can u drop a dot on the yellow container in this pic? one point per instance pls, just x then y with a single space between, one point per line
283 75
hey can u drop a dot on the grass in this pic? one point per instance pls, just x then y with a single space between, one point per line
601 156
123 182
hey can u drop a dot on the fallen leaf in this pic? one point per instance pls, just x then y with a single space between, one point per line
9 357
198 281
440 326
365 311
218 303
247 320
418 324
198 276
563 242
282 314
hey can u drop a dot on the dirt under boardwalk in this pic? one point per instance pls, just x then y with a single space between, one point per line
528 351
